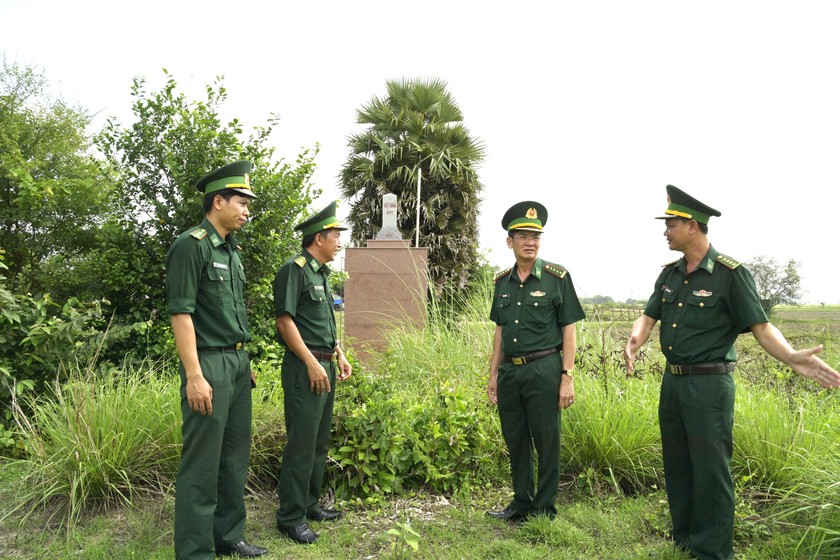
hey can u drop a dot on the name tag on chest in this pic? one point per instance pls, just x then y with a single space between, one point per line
223 266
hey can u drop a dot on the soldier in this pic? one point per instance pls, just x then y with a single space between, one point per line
535 308
313 361
705 300
205 285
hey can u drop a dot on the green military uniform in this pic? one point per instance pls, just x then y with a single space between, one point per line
532 315
206 280
301 289
701 314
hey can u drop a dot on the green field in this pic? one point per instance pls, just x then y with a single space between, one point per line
417 458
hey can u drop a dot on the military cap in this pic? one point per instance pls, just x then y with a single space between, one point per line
683 205
525 216
323 220
233 176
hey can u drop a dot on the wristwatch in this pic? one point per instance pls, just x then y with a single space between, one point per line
567 372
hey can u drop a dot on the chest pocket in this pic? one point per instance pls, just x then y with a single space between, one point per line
315 303
538 311
700 311
502 303
219 284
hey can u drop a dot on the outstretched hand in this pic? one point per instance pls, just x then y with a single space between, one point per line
806 363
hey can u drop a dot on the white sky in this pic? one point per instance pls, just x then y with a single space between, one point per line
588 107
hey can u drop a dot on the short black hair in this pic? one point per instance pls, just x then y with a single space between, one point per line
308 240
207 203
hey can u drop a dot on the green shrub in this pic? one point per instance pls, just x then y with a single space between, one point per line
97 442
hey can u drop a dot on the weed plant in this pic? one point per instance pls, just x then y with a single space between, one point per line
416 419
95 442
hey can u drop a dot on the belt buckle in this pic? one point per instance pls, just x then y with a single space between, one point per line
519 360
676 370
238 346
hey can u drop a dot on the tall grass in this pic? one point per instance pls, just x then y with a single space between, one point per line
417 417
98 442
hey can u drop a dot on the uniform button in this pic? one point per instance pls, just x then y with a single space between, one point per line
674 325
536 304
702 305
516 321
663 299
521 285
679 304
670 348
515 340
685 281
518 303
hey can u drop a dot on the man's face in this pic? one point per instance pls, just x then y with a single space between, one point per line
234 213
677 233
525 244
330 243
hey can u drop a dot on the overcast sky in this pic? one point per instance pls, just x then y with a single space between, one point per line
588 107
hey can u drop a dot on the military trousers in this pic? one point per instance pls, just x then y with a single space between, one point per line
210 487
308 427
529 411
695 420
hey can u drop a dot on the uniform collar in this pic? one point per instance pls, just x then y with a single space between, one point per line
217 239
707 263
314 264
536 272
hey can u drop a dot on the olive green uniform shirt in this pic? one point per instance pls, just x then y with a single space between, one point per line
532 313
205 278
302 289
702 313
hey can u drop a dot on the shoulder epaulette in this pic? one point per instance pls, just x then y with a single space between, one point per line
200 233
556 270
672 263
502 274
300 261
728 262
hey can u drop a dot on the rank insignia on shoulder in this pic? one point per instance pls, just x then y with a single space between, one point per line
701 293
728 262
200 233
502 274
672 263
300 261
556 270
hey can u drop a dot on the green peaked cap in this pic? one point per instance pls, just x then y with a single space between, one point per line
683 205
233 176
325 219
525 216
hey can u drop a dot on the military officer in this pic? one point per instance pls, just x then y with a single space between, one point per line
535 309
205 285
313 361
705 300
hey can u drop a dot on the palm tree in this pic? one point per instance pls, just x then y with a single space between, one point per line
415 136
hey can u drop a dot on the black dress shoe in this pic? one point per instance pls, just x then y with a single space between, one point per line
242 548
323 514
301 534
507 514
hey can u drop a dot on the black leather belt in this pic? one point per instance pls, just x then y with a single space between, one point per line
234 348
701 369
323 355
522 360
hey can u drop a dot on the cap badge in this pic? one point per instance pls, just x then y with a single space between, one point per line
531 214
